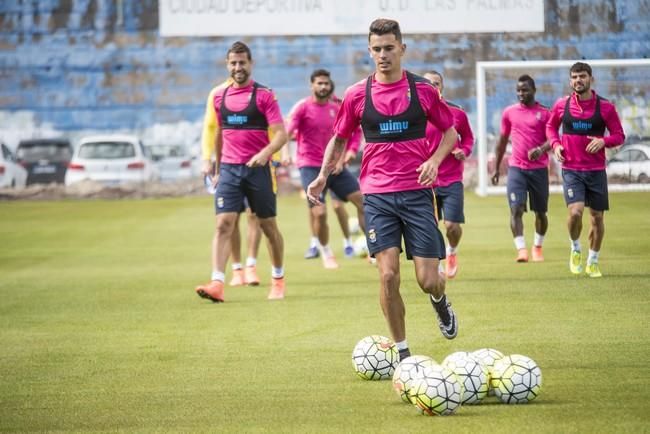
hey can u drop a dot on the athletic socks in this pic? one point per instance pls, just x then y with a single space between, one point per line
593 257
520 243
277 272
538 240
403 349
218 275
575 245
251 262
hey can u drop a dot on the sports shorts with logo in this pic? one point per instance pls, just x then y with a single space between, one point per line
255 184
524 184
407 215
588 186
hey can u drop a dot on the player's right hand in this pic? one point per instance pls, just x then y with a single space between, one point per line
558 152
207 168
315 189
495 178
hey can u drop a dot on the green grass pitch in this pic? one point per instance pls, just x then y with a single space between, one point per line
100 329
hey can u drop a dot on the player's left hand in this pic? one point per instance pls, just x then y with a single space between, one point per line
428 173
349 156
458 154
596 144
258 160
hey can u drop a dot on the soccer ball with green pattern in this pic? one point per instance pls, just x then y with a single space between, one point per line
487 357
408 370
375 358
516 379
473 374
437 392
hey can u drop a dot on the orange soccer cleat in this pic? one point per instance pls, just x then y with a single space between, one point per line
212 291
330 263
250 275
452 266
537 254
238 278
522 255
277 289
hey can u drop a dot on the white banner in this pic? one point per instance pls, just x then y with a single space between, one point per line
343 17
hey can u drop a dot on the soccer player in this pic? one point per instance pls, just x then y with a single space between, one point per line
398 170
584 117
247 113
311 121
450 195
240 275
528 166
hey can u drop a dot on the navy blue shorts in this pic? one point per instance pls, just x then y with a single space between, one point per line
450 201
589 187
342 185
530 183
407 214
238 182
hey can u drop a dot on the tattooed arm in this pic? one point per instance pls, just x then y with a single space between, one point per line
333 154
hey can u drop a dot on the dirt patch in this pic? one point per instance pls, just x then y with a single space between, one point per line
95 190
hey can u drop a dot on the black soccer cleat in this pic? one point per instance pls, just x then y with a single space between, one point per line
447 320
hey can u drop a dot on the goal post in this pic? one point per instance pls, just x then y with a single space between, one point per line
531 66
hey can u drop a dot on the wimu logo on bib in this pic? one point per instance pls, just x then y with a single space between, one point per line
391 127
237 119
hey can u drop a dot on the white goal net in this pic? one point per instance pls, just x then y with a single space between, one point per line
625 82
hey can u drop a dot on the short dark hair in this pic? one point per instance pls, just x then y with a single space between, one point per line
239 47
319 73
527 78
384 26
434 72
581 67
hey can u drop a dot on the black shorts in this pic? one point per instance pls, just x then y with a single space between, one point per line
528 183
407 214
450 201
589 187
341 185
238 182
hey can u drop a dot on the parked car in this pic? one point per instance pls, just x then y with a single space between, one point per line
110 159
46 160
631 162
174 162
12 174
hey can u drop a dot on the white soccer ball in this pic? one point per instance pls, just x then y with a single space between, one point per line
360 246
516 379
473 374
488 356
375 358
408 370
437 392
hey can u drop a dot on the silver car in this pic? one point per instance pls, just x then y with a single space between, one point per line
174 162
631 162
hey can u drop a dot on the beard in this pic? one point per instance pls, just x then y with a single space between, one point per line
325 93
243 76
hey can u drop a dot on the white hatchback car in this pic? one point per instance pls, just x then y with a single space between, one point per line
110 159
12 174
631 162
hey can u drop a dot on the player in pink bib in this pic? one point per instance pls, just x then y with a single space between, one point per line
525 124
584 117
311 123
247 114
449 190
398 169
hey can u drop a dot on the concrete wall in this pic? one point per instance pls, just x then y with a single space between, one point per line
70 65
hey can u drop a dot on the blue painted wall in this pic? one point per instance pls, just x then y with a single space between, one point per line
87 64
